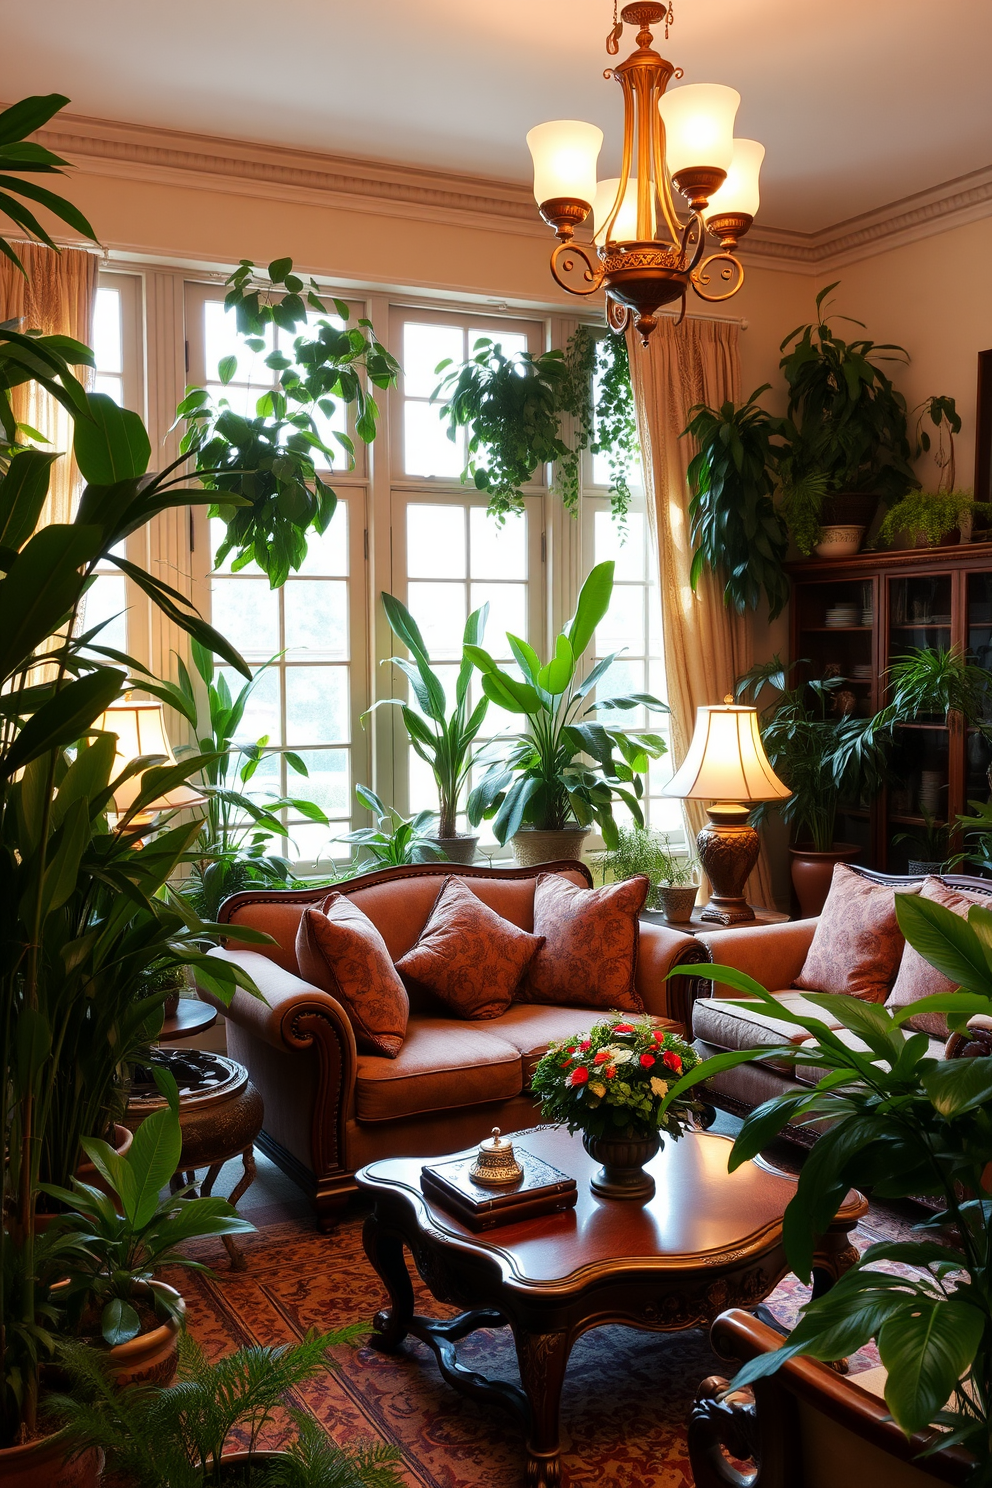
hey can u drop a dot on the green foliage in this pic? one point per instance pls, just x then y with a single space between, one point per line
174 1437
234 849
978 836
898 1122
821 755
941 412
119 1253
561 770
801 506
930 515
641 851
601 400
19 157
939 680
443 740
737 531
268 462
395 839
614 1077
930 845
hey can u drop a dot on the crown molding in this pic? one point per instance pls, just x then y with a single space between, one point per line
309 177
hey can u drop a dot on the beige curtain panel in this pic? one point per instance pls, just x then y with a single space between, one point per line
707 646
58 297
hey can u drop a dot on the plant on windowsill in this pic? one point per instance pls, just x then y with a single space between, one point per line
443 740
268 461
601 401
184 1435
670 875
395 839
546 785
897 1122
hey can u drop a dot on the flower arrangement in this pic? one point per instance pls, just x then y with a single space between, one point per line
616 1077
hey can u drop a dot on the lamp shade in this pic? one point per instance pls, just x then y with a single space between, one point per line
565 152
140 730
625 226
739 192
726 760
699 126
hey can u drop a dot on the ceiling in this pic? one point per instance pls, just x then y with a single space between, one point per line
859 102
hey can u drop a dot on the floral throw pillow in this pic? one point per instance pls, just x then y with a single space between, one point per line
857 944
468 955
917 978
339 950
589 953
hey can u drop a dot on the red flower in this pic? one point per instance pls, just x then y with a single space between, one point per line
578 1076
601 1056
585 1045
672 1060
564 1064
657 1035
610 1071
647 1060
623 1028
570 1051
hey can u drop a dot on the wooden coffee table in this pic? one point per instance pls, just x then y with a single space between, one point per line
708 1240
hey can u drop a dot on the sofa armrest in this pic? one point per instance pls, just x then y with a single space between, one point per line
772 954
659 951
294 1017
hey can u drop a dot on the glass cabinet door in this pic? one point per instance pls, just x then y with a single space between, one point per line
918 795
978 754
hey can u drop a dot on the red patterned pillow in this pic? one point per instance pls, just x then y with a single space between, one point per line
857 942
590 944
468 955
917 978
339 950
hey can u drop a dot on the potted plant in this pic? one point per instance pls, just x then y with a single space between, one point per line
110 1293
395 839
183 1435
923 519
443 739
672 877
938 681
546 785
894 1120
822 755
930 845
611 1085
737 531
846 441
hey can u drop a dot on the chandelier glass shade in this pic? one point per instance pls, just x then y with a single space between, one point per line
647 251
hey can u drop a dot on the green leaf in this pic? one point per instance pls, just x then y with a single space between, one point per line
946 940
591 607
111 445
926 1348
556 676
959 1085
226 368
61 721
153 1158
22 496
119 1322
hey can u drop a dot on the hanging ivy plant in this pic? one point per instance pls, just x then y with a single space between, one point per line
270 457
513 407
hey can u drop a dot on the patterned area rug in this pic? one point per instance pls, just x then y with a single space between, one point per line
627 1394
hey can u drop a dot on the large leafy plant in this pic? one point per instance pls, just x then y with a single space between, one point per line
394 839
737 531
442 738
270 461
561 770
19 157
896 1121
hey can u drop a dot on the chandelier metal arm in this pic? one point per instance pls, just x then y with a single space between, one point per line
734 270
565 254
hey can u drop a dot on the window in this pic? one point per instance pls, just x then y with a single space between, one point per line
306 642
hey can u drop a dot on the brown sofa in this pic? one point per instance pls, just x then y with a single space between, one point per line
774 956
330 1109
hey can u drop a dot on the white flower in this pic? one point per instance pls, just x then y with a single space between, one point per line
659 1087
622 1056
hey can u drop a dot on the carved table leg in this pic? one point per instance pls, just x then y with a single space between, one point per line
385 1252
542 1358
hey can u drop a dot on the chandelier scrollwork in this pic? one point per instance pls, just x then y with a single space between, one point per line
677 145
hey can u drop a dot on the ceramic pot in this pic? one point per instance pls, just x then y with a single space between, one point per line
87 1173
812 872
623 1156
46 1463
532 845
149 1359
459 849
678 903
839 540
234 1465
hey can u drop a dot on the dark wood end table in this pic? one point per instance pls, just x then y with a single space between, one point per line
698 926
708 1240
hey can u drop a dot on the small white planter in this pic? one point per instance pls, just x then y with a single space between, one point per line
531 845
839 541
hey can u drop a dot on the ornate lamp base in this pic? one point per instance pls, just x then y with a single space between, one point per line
728 850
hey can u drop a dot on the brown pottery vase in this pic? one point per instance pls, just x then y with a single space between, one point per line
49 1462
812 872
532 845
149 1359
623 1156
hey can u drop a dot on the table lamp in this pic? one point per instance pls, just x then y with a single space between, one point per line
726 765
140 730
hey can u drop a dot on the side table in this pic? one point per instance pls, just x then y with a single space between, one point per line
698 926
220 1114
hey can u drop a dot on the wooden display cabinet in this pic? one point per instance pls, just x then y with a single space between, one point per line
853 617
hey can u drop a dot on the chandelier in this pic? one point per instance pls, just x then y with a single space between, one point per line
681 143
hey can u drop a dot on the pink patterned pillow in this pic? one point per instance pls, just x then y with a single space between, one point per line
339 950
857 943
590 944
917 978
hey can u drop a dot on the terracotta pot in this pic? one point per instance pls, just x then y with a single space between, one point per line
532 845
623 1156
46 1463
87 1173
812 872
839 540
233 1464
149 1359
459 849
678 903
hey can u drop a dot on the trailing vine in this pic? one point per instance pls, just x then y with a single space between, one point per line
513 408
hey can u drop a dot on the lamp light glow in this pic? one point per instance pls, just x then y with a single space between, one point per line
140 730
739 192
565 152
699 126
625 226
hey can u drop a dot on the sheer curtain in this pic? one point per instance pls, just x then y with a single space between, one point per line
706 645
58 297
